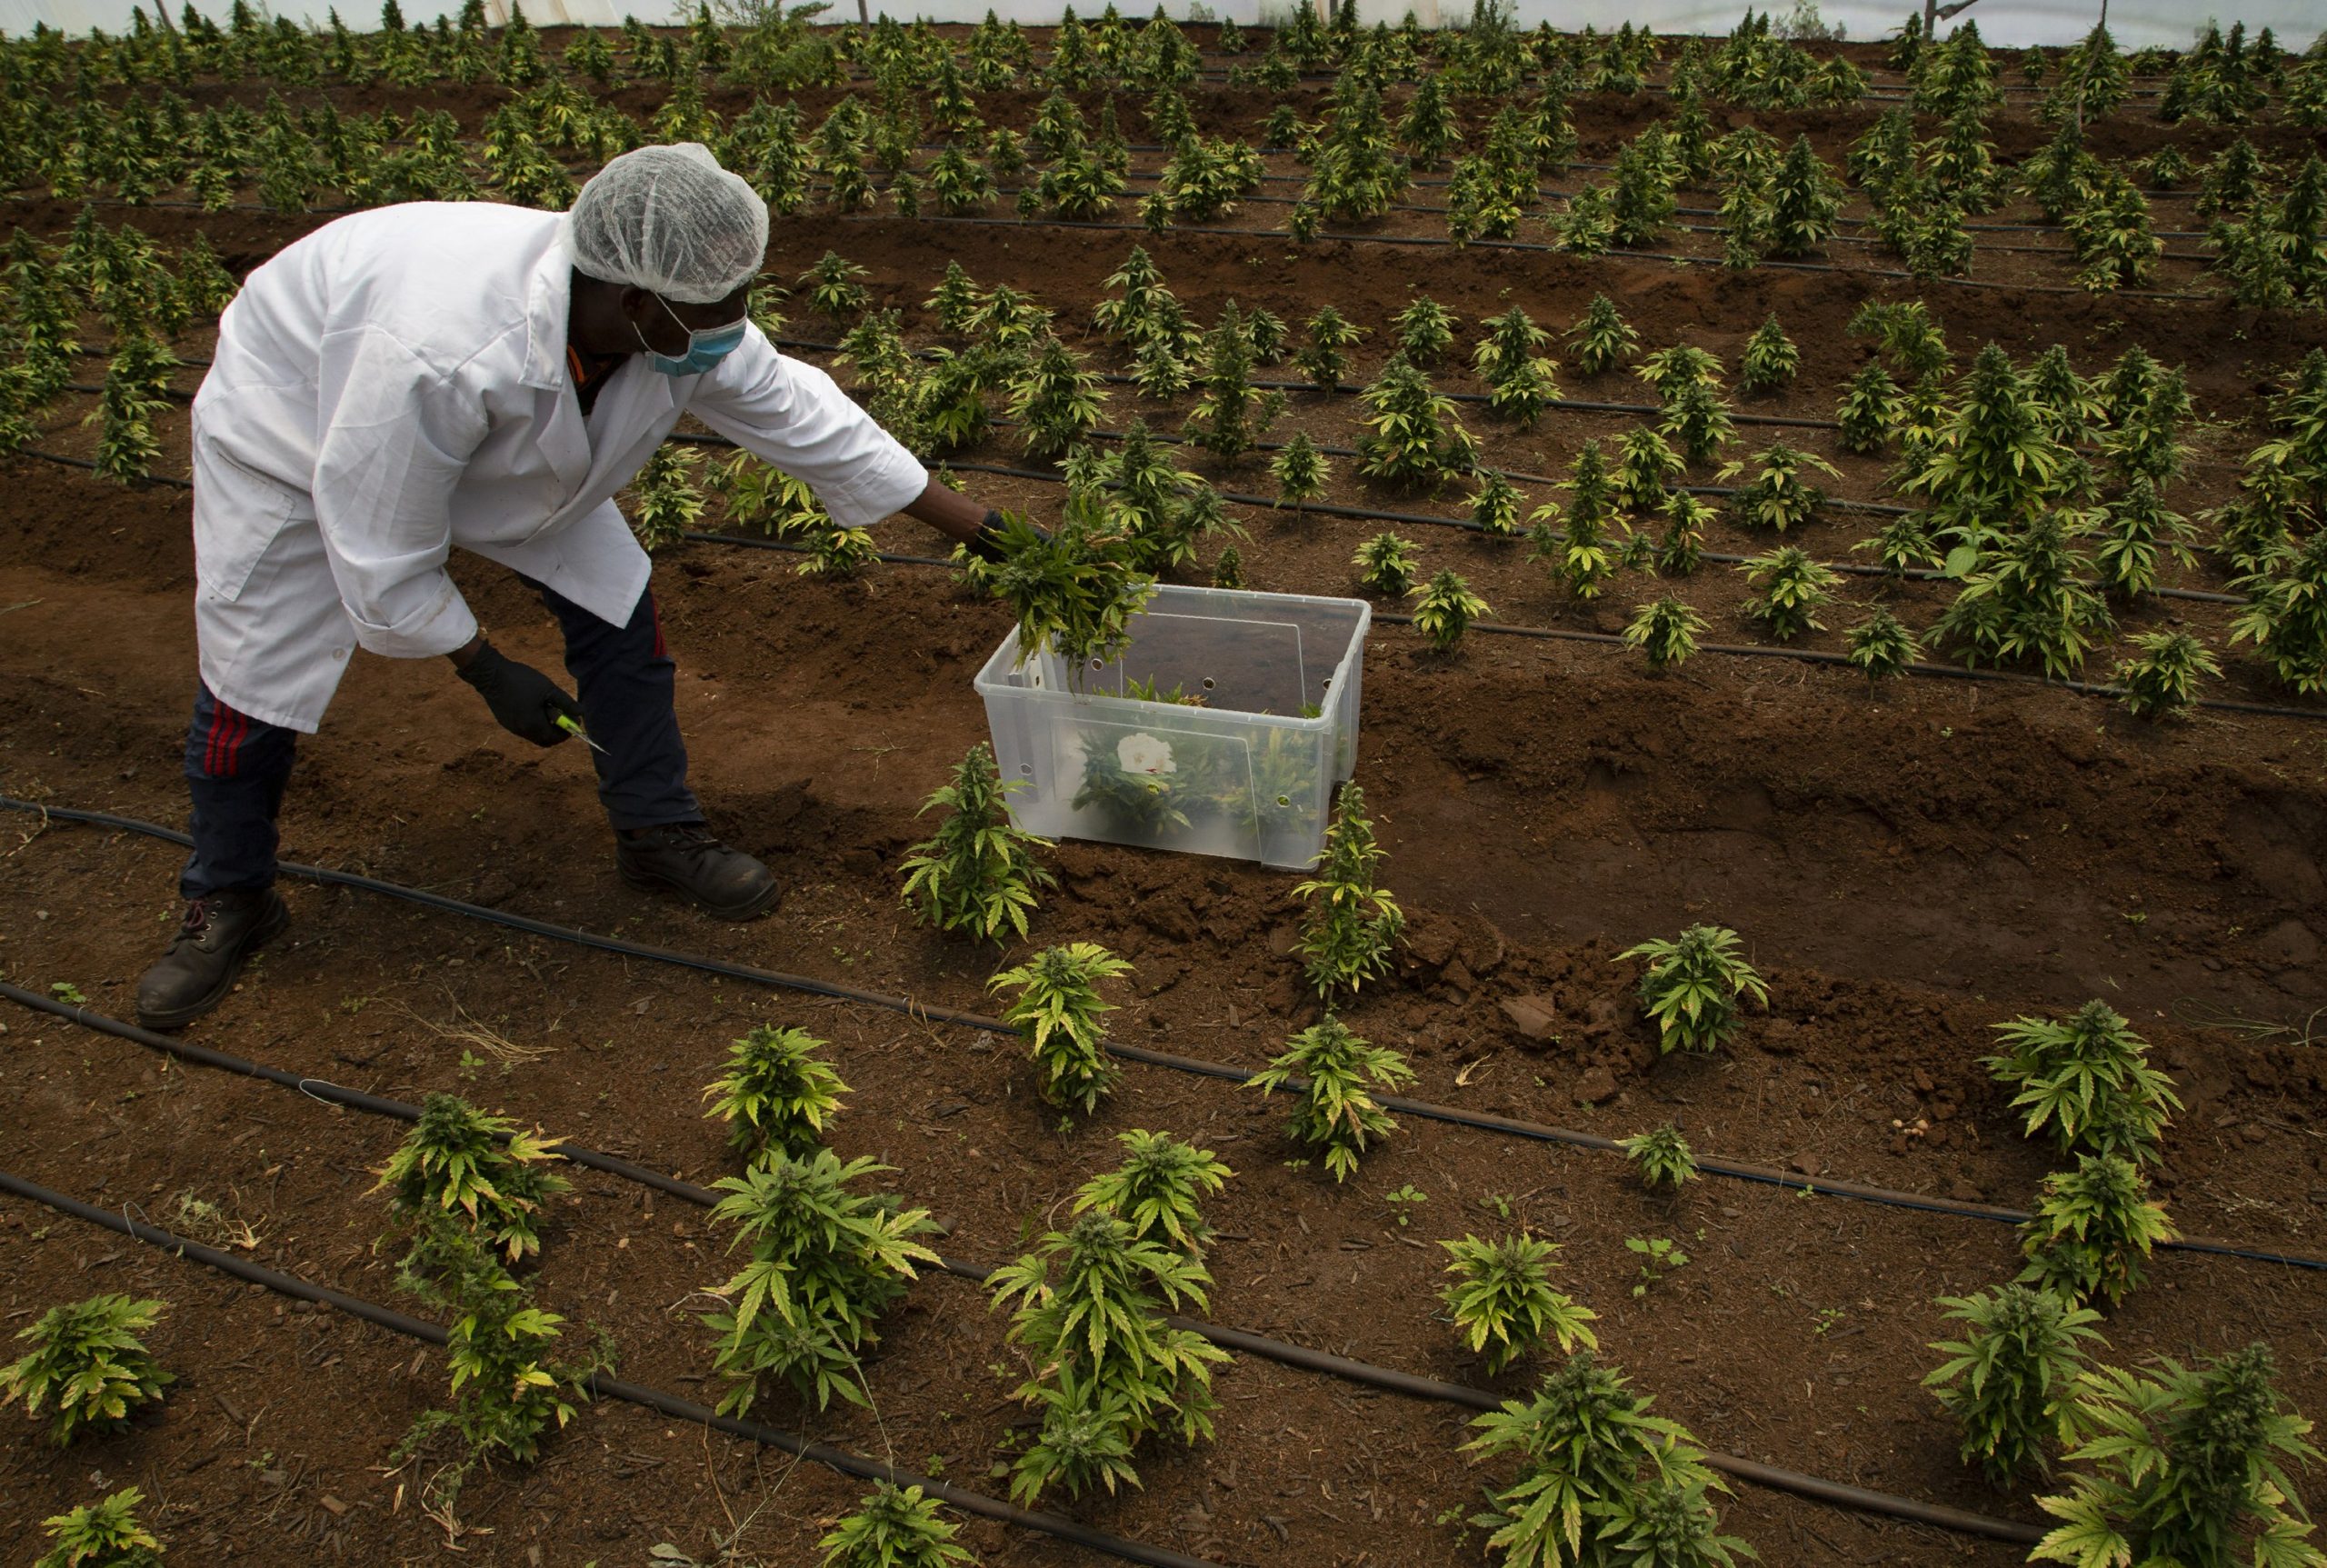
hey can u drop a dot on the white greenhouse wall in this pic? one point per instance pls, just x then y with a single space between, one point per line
2004 22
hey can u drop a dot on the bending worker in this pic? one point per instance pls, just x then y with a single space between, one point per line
417 378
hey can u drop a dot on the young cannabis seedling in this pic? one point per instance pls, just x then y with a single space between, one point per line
1108 1369
1444 609
1158 1191
778 1092
2162 681
1603 339
1662 1159
1778 498
1057 1009
1693 985
1770 360
1337 1113
1322 357
1664 629
1404 1202
1299 471
1595 1467
2087 1077
825 1263
2183 1465
1425 331
1659 1256
1870 409
894 1527
2092 1229
104 1534
1881 645
477 1171
88 1361
1385 565
1793 588
978 874
1503 1301
1352 924
2008 1382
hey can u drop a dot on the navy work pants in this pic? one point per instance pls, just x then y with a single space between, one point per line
236 766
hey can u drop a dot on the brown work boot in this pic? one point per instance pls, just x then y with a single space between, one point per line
686 858
220 931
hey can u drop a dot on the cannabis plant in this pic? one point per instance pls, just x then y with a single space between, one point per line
1414 436
1231 415
1793 587
1770 360
1804 200
1058 1009
104 1534
1502 1302
88 1361
2092 1229
1088 1312
2031 599
1075 591
668 504
1338 1114
1881 645
478 1171
1666 630
777 1093
2087 1077
894 1527
835 290
1444 608
2184 1464
1681 547
1598 1476
1321 357
1778 498
826 1262
1870 408
1426 330
978 874
1158 1191
1662 1158
1496 504
1697 416
2161 681
2285 615
1352 924
1385 565
1693 987
2009 1380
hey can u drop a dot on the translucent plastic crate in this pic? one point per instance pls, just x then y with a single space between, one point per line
1249 775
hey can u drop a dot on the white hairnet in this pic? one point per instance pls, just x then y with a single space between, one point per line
671 220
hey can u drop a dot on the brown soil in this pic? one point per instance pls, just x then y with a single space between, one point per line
1909 866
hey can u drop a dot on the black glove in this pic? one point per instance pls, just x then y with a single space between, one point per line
526 701
987 545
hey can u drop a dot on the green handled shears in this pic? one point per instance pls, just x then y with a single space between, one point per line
572 726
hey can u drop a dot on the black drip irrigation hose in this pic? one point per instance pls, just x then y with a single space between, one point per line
1484 1120
1301 1357
1616 253
601 1388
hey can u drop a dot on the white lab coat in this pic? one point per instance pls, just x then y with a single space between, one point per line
395 384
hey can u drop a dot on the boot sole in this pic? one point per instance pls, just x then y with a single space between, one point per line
751 909
179 1017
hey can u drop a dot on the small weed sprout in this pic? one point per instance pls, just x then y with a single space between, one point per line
1158 1191
1385 565
1659 1256
894 1527
1881 645
2008 1381
1662 1159
477 1171
2183 1465
104 1534
826 1262
1337 1113
88 1361
778 1092
1057 1009
1502 1302
1352 924
1404 1202
2162 681
2091 1230
2087 1076
1444 609
1666 630
978 874
1693 985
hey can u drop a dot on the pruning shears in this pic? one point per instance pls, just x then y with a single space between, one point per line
572 726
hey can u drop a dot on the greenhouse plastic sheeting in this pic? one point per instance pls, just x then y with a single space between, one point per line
2004 22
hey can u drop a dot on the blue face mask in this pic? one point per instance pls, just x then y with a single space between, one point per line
706 346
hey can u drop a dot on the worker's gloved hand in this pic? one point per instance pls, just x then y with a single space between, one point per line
988 544
526 701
